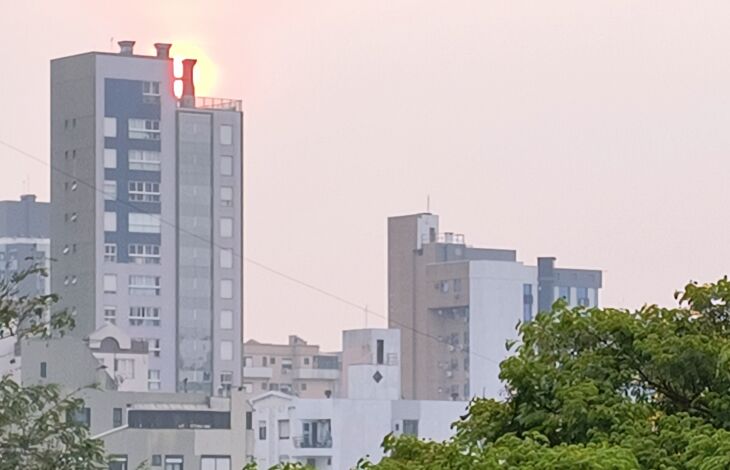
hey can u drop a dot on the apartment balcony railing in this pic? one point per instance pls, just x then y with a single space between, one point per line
205 102
305 442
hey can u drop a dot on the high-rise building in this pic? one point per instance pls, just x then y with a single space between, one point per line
146 192
457 305
24 241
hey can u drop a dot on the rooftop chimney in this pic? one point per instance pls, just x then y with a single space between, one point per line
126 47
187 100
163 50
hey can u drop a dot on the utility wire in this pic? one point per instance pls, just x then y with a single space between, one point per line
254 262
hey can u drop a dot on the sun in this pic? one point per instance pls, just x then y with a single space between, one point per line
205 71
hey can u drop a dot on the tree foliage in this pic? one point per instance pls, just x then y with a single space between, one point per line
592 388
35 433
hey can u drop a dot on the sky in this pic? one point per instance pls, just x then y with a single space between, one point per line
595 132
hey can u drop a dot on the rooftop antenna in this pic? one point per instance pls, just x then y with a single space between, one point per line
428 203
366 317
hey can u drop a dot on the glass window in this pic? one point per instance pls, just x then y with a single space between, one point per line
145 129
226 196
582 298
141 253
110 158
118 462
283 429
226 258
226 226
153 345
110 283
227 165
144 223
81 416
144 191
226 135
226 350
149 316
173 463
527 302
110 127
116 417
124 368
150 92
410 427
110 252
144 285
564 293
226 321
44 370
262 430
110 221
110 314
148 160
226 288
110 190
215 463
153 379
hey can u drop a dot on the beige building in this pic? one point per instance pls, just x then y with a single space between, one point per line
295 368
457 305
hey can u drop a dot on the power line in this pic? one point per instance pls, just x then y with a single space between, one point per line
238 255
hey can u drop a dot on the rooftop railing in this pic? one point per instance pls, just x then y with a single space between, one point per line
204 102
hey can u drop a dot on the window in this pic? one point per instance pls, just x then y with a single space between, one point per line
226 135
110 127
151 92
153 345
145 129
226 350
118 462
527 303
226 289
564 293
149 316
306 361
226 165
110 314
283 429
410 427
286 364
110 190
265 361
110 252
303 387
215 463
262 430
153 379
457 285
226 321
380 351
581 294
81 416
226 226
110 283
44 370
247 361
148 160
226 258
110 221
173 463
144 191
116 417
144 253
110 158
144 223
124 368
156 460
144 285
226 196
248 388
272 361
249 416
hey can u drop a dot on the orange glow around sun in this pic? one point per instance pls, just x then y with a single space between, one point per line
204 73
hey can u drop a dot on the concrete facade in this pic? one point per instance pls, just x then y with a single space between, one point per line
135 230
457 305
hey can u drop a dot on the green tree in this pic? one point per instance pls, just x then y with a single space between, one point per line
592 388
34 431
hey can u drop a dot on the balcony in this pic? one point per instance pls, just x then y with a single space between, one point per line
316 374
316 434
257 372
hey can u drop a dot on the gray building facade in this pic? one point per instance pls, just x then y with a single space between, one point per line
147 212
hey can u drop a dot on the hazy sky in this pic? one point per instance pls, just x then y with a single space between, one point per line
595 131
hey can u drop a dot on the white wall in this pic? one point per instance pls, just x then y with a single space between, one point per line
496 306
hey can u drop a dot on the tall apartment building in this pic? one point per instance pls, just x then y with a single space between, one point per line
296 368
24 240
147 212
457 305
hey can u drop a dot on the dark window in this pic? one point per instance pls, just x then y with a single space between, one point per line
173 462
264 361
81 416
178 419
44 370
380 359
262 430
410 427
249 420
564 293
116 417
157 460
273 361
527 302
306 361
118 462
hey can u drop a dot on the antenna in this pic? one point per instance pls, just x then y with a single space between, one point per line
366 317
428 203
